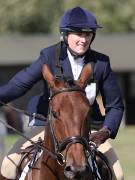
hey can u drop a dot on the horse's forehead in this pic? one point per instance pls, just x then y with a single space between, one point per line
71 101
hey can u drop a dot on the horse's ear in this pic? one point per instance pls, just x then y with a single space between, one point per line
85 75
47 75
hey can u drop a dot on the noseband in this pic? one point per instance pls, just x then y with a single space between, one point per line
67 142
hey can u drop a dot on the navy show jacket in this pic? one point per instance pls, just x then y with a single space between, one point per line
102 72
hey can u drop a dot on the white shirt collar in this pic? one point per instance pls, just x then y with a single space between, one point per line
76 64
78 60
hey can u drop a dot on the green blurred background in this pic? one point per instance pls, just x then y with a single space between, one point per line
34 16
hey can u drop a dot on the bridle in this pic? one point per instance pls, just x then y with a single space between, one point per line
89 146
67 142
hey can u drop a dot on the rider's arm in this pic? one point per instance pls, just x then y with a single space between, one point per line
23 80
112 100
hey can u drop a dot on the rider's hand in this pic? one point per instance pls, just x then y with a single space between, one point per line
100 136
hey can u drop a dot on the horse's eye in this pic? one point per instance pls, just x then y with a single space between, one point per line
54 114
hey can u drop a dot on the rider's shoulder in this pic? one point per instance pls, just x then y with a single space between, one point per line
100 57
50 49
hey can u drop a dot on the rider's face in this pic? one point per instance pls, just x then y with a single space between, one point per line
79 42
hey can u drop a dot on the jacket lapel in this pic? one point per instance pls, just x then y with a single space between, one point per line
65 63
89 57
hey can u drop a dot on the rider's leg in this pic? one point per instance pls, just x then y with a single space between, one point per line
11 161
114 163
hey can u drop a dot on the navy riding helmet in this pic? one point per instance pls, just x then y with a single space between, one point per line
78 20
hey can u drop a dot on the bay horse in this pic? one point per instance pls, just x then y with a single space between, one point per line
66 148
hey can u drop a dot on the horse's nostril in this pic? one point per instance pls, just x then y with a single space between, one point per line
68 168
76 171
69 172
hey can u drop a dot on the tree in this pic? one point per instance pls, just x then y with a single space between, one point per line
29 16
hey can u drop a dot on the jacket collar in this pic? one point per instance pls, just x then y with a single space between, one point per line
63 53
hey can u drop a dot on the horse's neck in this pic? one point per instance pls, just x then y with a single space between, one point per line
49 164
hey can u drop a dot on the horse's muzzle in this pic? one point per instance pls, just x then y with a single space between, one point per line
76 172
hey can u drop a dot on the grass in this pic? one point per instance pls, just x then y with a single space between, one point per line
125 149
124 146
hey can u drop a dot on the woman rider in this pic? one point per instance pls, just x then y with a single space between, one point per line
78 29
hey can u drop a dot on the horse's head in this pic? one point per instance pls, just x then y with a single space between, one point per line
69 122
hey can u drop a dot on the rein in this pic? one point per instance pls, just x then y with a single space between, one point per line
37 145
59 147
33 115
41 117
66 143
